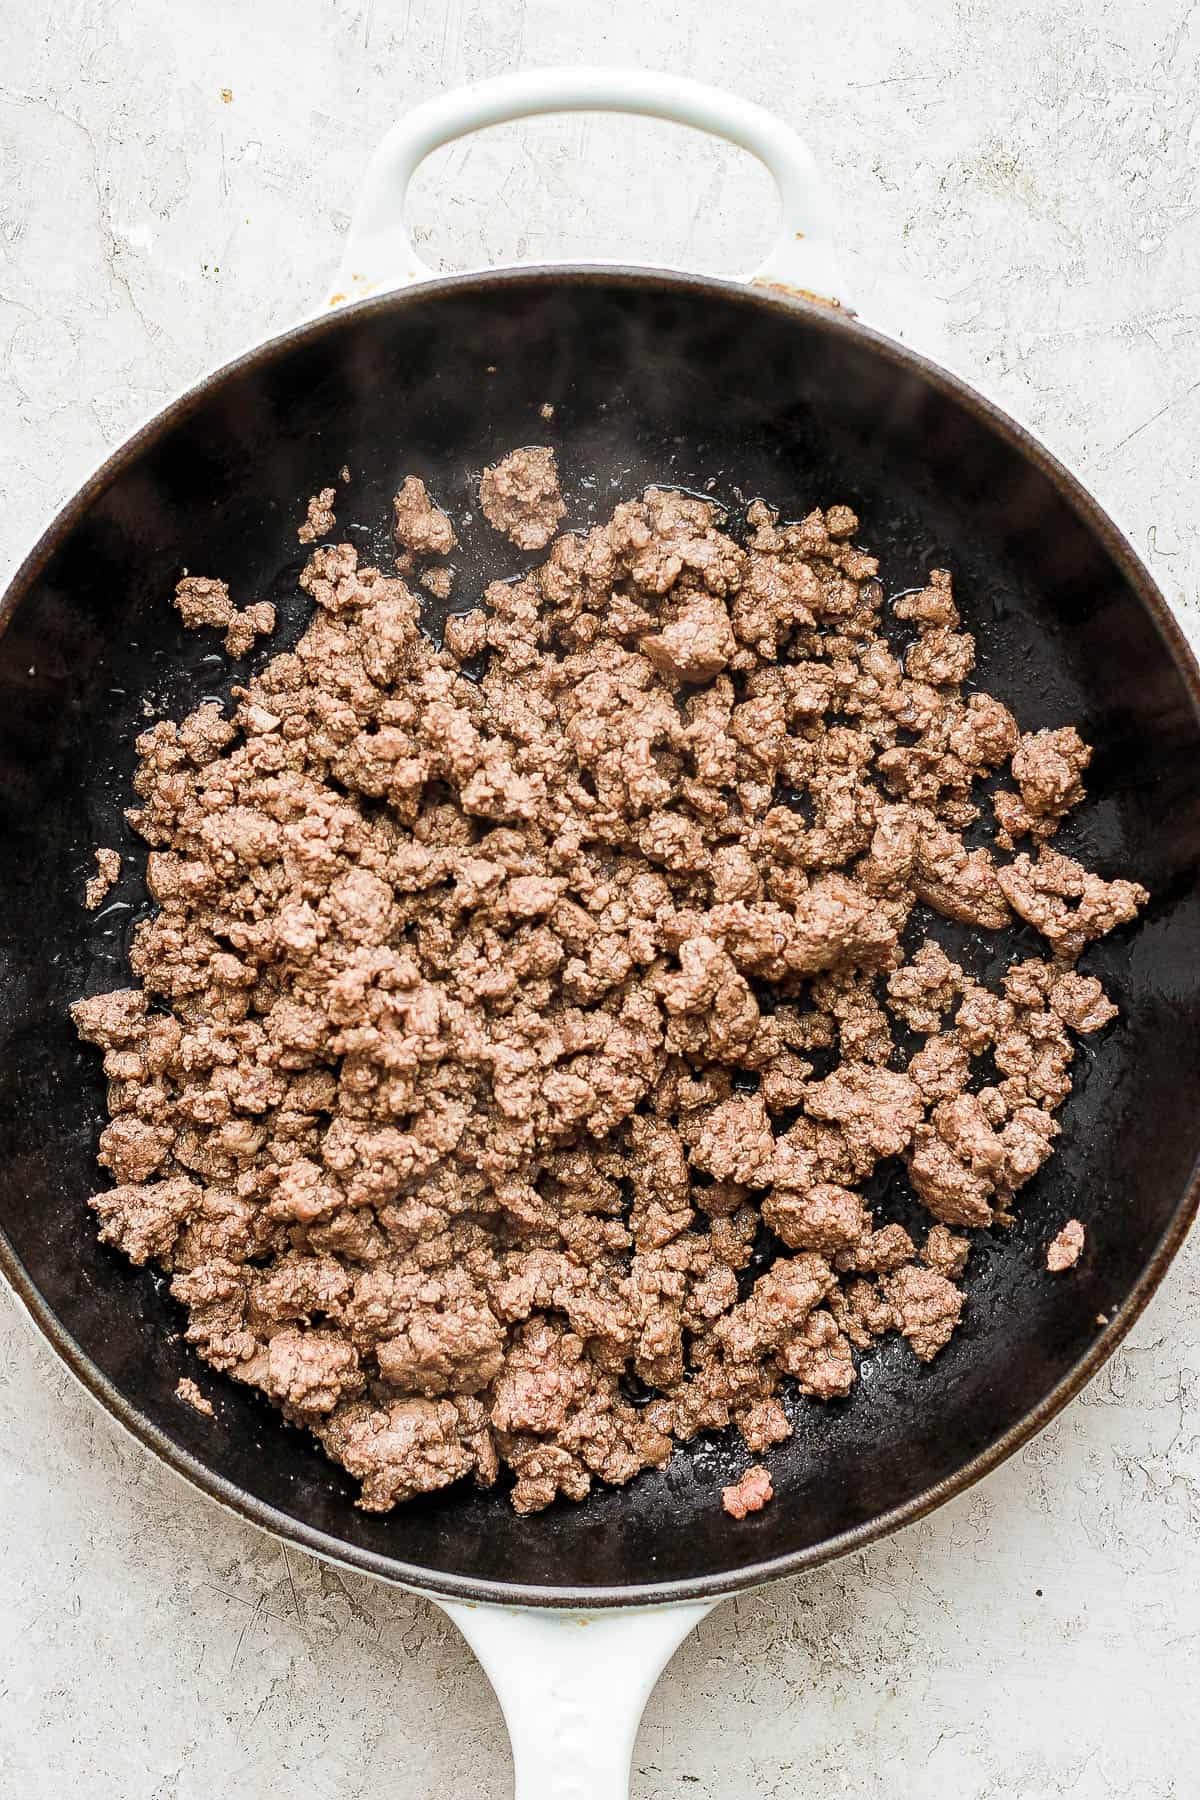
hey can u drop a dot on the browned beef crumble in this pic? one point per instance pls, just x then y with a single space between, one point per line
1064 1251
96 887
421 526
319 520
480 1018
187 1391
520 496
438 581
203 601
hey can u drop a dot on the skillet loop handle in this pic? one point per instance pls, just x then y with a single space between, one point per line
572 1687
380 255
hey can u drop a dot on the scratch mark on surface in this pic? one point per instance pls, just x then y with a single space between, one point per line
253 1620
225 1594
894 81
287 1563
1145 425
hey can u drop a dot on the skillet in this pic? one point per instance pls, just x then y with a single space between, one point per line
653 376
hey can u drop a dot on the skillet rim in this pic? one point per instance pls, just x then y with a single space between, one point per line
767 297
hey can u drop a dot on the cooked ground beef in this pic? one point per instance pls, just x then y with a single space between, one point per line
421 526
108 868
520 496
439 582
1065 1250
190 1394
479 1023
319 520
203 601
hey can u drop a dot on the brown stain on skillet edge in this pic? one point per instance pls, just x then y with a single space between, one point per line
412 1576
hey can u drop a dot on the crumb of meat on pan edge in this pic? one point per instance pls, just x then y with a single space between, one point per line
501 1001
187 1391
1064 1251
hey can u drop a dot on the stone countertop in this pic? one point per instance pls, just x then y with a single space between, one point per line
1022 200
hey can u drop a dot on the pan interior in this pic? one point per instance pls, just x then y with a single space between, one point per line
681 382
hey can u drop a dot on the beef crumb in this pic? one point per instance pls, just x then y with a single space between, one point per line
108 868
520 496
1065 1250
190 1394
202 601
491 1021
420 525
750 1494
438 582
320 519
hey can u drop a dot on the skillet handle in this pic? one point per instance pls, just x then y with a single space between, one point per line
379 253
572 1687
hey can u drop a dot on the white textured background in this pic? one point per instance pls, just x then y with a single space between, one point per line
1021 199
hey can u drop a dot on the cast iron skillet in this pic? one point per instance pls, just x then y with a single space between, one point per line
652 377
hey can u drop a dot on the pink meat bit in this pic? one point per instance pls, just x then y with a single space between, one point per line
750 1494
